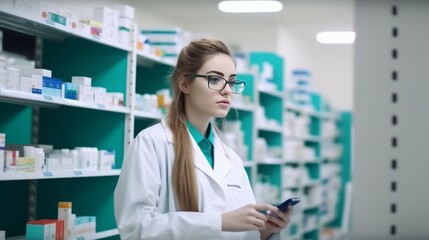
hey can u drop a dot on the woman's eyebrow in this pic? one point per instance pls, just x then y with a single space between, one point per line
220 73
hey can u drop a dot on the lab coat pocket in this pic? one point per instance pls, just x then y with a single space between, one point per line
236 192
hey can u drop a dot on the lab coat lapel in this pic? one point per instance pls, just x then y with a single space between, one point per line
222 164
168 131
200 160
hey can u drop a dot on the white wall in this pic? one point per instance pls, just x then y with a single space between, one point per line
331 66
290 34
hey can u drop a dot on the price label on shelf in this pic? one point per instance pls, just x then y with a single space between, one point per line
100 105
48 98
78 173
47 174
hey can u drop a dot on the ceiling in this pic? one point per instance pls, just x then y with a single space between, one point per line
294 11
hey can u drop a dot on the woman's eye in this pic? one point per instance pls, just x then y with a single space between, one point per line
214 79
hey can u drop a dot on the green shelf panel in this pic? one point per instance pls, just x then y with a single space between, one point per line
140 124
272 106
313 171
72 127
249 173
151 79
314 234
106 66
314 145
315 125
13 207
345 125
316 101
273 139
259 58
292 229
273 174
247 122
16 122
250 86
91 196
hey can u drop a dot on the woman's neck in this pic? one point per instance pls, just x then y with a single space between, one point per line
201 124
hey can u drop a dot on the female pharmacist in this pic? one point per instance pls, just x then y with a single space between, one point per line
178 179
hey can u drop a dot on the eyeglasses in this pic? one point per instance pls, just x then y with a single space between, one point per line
219 83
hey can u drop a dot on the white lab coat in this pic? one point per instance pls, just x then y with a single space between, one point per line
145 206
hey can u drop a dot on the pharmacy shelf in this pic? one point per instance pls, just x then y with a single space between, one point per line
13 96
271 92
271 161
310 206
248 164
103 234
243 107
61 174
308 138
274 129
310 112
311 183
148 115
147 59
310 229
30 24
99 235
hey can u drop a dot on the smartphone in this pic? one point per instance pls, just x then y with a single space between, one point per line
291 201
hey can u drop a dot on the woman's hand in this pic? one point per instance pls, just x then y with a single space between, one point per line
249 218
276 221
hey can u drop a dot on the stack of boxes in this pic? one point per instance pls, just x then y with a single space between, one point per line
300 89
2 151
165 42
109 19
46 229
126 24
106 24
66 226
43 158
40 81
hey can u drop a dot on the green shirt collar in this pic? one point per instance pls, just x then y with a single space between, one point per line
198 137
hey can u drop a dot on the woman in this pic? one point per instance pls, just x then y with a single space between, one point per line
178 180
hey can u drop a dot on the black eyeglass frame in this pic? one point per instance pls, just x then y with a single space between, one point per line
206 76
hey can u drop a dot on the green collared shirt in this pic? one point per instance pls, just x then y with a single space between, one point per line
206 144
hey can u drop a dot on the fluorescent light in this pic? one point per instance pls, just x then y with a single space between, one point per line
250 6
336 37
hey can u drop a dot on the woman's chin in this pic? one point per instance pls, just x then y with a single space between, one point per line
221 113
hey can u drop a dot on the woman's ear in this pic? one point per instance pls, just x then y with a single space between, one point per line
184 86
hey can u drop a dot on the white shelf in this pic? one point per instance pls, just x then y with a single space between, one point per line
274 93
311 112
8 95
103 234
24 22
248 164
99 235
148 115
271 160
243 107
310 229
311 183
147 59
308 138
310 206
275 129
61 174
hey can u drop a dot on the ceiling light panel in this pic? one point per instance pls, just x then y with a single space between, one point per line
250 6
336 37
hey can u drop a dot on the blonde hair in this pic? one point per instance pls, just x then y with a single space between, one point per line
190 60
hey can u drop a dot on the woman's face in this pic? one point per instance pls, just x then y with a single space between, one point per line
203 102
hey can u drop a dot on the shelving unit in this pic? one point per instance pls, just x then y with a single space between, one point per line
69 123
